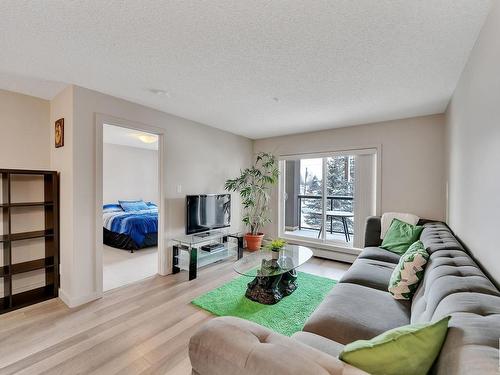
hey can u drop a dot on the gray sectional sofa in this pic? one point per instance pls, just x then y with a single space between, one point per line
360 307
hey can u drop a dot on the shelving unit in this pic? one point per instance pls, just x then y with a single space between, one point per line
189 256
49 234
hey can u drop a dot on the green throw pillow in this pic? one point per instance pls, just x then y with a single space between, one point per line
409 272
409 350
400 236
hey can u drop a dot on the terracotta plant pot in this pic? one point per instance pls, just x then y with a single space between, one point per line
254 241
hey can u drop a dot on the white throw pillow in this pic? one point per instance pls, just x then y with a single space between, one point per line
388 217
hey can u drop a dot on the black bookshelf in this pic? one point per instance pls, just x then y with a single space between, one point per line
49 234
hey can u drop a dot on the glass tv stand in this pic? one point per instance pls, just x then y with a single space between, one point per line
189 253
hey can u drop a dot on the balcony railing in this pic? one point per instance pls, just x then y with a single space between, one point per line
331 200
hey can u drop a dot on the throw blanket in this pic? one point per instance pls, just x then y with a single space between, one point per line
134 224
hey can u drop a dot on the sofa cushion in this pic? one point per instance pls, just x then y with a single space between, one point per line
437 236
444 276
370 273
321 343
353 312
459 358
472 343
377 253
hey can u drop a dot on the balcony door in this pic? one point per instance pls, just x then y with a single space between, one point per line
326 198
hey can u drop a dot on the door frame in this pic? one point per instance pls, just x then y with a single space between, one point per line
163 259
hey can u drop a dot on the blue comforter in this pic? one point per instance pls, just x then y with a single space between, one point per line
135 224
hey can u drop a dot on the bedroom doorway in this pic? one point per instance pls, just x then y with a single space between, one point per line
130 214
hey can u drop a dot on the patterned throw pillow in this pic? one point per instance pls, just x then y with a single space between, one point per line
409 272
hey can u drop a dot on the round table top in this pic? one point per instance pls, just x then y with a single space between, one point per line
260 263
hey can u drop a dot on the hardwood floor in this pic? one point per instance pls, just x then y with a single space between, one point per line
143 328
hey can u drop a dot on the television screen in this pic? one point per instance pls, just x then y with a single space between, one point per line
206 212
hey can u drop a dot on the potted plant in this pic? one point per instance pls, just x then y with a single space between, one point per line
254 185
275 246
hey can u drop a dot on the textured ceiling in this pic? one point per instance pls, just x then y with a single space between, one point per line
128 137
256 68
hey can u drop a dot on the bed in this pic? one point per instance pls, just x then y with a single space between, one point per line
130 225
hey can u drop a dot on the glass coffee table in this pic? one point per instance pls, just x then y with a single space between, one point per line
273 278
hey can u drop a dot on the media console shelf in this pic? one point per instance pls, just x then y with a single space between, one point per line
189 256
36 249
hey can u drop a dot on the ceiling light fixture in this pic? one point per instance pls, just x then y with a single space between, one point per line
148 138
160 92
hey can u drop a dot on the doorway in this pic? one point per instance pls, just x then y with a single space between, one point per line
130 198
130 206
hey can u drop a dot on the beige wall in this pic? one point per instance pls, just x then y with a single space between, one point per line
61 160
24 129
24 144
129 173
413 159
473 134
198 157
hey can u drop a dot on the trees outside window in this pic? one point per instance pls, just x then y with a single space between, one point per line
339 184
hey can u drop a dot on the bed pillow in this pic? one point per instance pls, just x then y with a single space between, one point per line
113 207
133 205
409 272
400 236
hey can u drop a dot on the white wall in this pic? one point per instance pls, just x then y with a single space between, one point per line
129 173
198 157
473 134
413 160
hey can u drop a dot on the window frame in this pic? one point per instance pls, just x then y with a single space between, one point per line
321 243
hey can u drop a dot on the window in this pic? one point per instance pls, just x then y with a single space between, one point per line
327 198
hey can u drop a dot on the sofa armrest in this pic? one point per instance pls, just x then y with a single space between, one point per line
372 231
235 346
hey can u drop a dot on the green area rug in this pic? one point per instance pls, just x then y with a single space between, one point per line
287 316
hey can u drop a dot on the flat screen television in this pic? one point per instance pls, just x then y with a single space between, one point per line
207 211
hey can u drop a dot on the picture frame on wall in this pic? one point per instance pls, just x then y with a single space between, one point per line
59 133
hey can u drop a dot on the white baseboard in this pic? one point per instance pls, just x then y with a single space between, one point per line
72 302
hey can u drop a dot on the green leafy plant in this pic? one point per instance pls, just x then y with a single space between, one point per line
254 186
276 245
